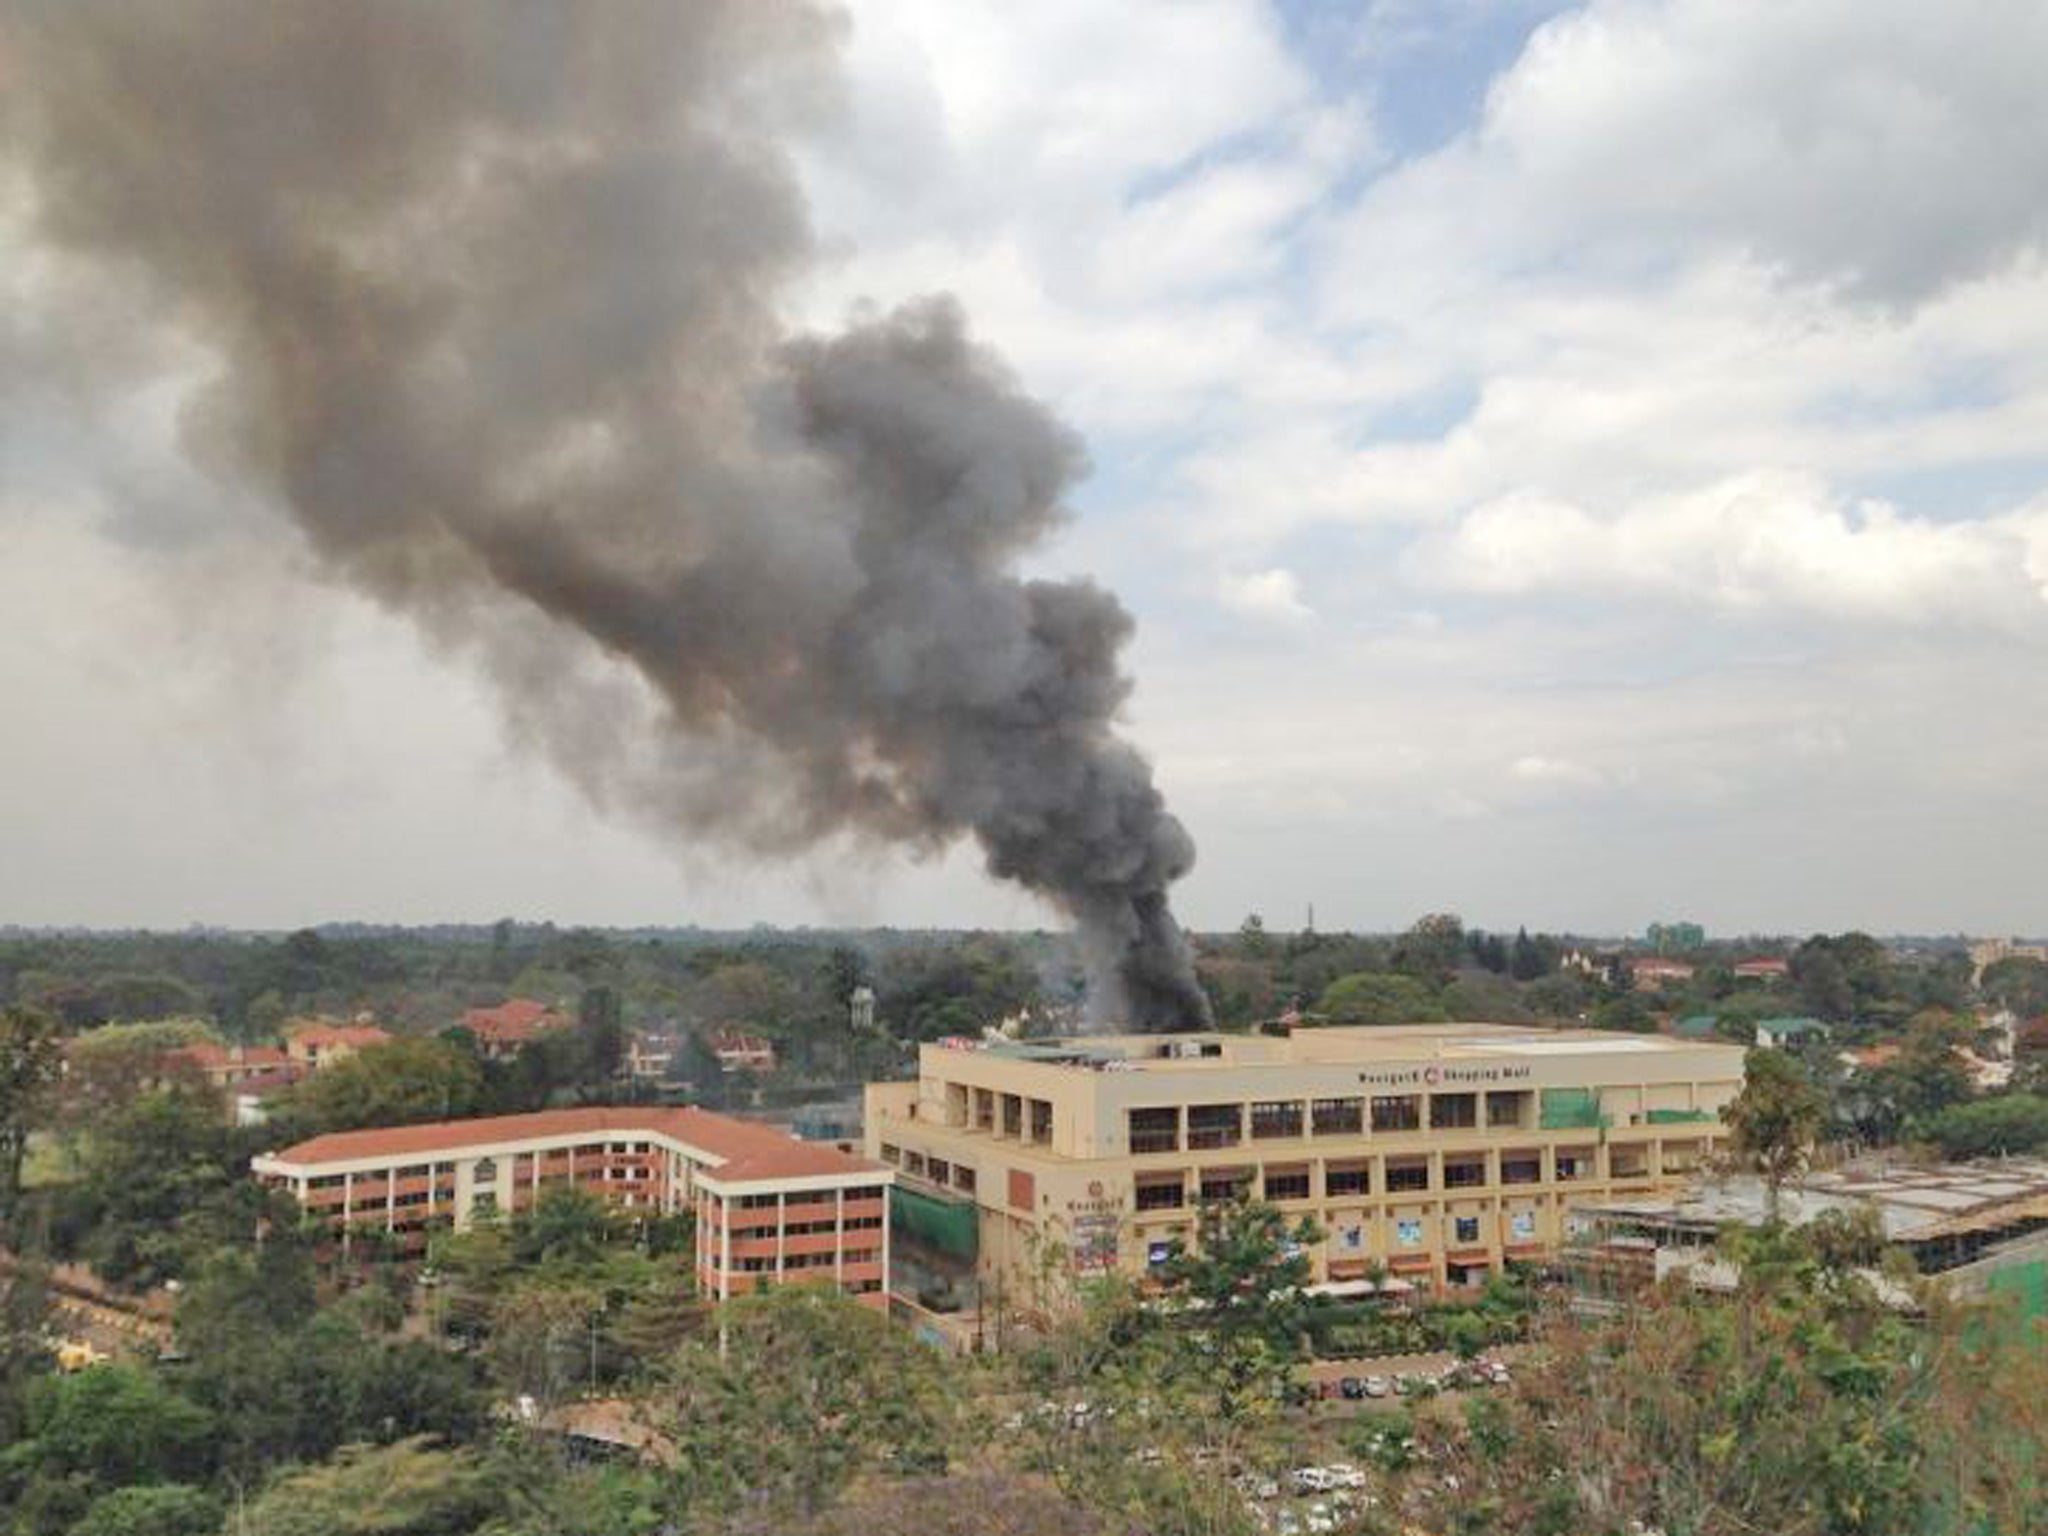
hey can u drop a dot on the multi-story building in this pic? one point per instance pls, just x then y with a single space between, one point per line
1431 1153
769 1208
316 1043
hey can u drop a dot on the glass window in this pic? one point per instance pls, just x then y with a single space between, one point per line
1276 1120
1287 1184
1347 1179
1214 1125
1397 1112
1453 1111
1337 1117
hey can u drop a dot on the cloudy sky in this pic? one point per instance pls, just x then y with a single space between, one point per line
1573 465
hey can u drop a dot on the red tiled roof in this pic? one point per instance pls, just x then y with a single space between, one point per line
516 1018
745 1150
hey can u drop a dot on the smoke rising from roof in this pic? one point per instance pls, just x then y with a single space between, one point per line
493 293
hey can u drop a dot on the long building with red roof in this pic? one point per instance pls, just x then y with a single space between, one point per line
768 1208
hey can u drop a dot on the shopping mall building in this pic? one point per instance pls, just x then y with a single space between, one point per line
1433 1154
769 1208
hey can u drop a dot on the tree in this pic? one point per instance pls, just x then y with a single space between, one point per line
1253 942
406 1489
804 1391
403 1082
1776 1118
152 1509
1379 997
29 1062
2018 982
1246 1272
2009 1123
1429 950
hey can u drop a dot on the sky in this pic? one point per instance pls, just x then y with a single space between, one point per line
1573 466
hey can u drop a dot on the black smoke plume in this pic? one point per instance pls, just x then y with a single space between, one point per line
492 290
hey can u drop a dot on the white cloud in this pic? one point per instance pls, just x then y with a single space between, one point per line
1760 542
1273 595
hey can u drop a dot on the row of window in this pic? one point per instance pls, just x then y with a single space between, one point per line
1225 1125
767 1264
809 1197
812 1228
937 1169
1403 1176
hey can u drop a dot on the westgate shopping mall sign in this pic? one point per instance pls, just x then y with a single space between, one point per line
1433 1076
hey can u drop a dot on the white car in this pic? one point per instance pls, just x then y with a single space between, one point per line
1375 1386
1311 1480
1343 1475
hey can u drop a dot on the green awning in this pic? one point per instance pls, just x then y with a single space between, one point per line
1679 1116
951 1227
1566 1109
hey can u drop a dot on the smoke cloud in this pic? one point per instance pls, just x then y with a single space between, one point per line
493 292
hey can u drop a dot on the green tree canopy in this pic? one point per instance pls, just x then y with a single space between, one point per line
1776 1118
1380 997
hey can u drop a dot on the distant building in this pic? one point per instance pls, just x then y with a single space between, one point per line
510 1027
1675 938
230 1067
1787 1031
649 1057
860 1008
1650 973
1764 968
317 1043
738 1051
769 1209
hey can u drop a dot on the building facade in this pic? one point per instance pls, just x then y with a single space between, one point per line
769 1209
1434 1154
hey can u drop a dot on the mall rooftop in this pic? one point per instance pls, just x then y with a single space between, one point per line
1331 1045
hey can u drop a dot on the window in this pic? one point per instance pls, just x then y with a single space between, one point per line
963 1178
1041 1122
1521 1168
1214 1125
1572 1166
984 1110
1453 1111
1632 1162
1347 1179
1013 1115
1337 1117
1465 1229
1287 1184
758 1202
865 1192
1397 1112
1506 1108
913 1162
1406 1177
939 1170
485 1171
1276 1120
1464 1172
1223 1183
1155 1130
1160 1194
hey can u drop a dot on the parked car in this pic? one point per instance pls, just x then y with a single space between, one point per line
1352 1387
1375 1386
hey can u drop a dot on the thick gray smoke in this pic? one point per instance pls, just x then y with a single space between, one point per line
493 290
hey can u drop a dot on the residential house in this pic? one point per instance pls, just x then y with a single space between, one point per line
510 1027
